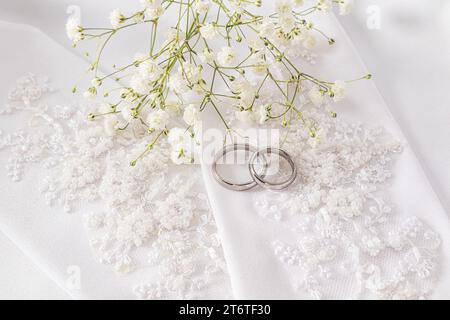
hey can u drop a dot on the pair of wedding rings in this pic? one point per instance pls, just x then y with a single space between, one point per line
258 176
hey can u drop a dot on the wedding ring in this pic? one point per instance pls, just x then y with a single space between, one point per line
229 184
259 177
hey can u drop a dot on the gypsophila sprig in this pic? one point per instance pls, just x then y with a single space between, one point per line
218 54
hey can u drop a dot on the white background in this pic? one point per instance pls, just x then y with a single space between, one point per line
409 56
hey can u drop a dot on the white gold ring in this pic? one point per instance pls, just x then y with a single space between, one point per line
259 177
226 183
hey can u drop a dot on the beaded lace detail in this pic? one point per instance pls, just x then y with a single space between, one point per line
349 242
152 220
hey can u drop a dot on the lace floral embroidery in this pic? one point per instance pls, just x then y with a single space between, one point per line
153 219
349 242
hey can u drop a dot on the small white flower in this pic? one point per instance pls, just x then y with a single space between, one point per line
266 29
245 90
283 6
324 5
259 65
202 6
191 72
149 69
158 120
116 17
90 93
316 96
174 37
345 6
182 146
207 56
139 17
245 116
181 155
339 90
96 82
208 31
255 43
153 9
74 30
287 22
153 14
151 3
238 6
191 115
139 84
226 56
176 136
176 83
128 113
263 113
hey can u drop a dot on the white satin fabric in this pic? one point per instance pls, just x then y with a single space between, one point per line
56 241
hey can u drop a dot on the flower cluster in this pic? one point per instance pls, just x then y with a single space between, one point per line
218 54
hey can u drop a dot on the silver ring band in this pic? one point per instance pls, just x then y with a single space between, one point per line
259 178
228 184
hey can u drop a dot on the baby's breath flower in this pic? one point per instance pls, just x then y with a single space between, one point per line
149 69
176 83
197 66
345 6
158 120
255 43
316 96
245 90
266 29
238 6
90 92
263 113
208 31
283 6
226 56
128 113
339 90
202 6
116 18
153 9
96 82
245 116
176 136
74 29
139 84
207 56
287 22
191 115
324 5
191 72
182 155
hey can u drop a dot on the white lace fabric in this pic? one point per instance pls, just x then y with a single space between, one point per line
147 207
349 240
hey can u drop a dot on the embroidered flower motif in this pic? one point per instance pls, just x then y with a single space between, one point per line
146 208
346 231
